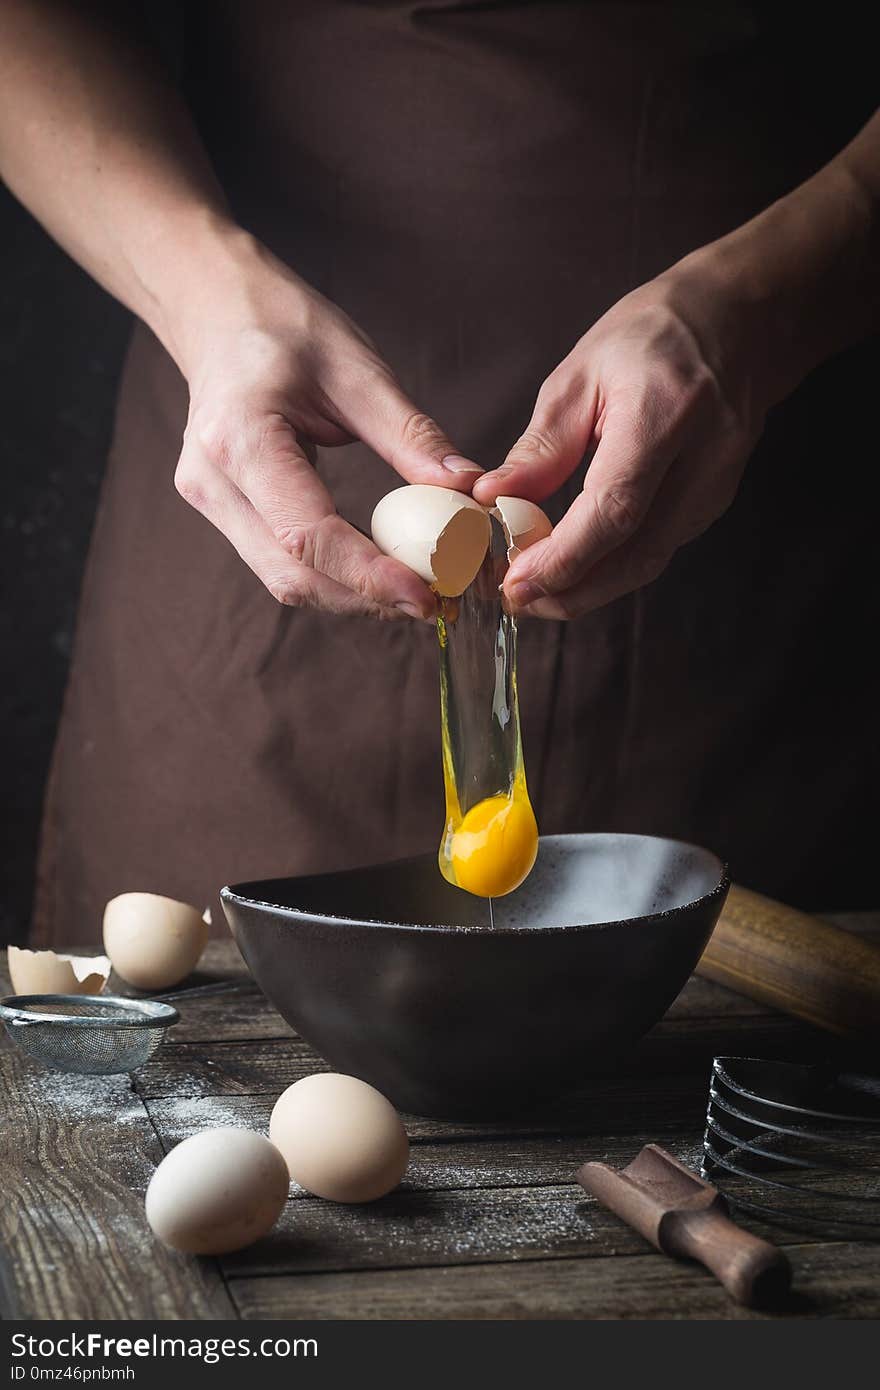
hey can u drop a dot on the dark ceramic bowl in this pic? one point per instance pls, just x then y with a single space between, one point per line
395 976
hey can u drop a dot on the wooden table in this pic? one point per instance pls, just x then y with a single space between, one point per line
488 1223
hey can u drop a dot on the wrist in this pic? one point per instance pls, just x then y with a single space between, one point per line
790 287
206 288
733 319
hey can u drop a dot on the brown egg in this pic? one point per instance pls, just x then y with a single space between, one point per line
153 942
340 1138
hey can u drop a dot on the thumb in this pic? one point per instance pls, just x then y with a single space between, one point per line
548 451
416 447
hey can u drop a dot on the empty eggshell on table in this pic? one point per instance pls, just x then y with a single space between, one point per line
48 972
217 1191
523 523
153 942
440 534
341 1138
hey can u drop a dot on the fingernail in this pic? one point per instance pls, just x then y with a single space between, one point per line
524 592
454 463
412 611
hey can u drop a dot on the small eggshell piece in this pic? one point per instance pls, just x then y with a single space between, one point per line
341 1138
440 534
217 1191
45 972
523 523
153 942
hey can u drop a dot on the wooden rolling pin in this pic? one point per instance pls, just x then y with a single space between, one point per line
796 963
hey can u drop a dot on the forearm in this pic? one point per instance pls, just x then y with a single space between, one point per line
95 141
802 279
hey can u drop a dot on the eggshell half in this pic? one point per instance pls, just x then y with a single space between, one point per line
341 1138
45 972
217 1191
523 523
153 942
441 534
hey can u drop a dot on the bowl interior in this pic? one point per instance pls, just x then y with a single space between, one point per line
578 880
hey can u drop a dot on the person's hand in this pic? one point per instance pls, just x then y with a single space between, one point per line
274 369
656 388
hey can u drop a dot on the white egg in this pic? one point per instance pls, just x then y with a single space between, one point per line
341 1138
153 942
45 972
441 534
523 523
217 1191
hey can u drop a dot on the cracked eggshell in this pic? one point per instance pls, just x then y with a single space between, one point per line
46 972
523 523
441 534
217 1191
153 942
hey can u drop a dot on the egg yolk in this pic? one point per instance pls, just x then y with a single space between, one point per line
495 846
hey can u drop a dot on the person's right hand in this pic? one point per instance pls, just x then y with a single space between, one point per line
274 369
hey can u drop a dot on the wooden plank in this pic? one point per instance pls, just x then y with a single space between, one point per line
610 1107
418 1229
77 1154
838 1280
239 1015
676 1045
622 1105
705 999
222 959
538 1160
462 1226
245 1014
505 1161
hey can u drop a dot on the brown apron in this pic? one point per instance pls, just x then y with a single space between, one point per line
475 185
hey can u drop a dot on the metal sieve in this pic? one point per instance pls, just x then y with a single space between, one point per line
93 1034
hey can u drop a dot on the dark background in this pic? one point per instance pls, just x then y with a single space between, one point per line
61 349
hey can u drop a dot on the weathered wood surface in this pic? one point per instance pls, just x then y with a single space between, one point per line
488 1223
76 1155
674 1047
837 1281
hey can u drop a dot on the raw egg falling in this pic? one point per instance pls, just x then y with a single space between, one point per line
490 837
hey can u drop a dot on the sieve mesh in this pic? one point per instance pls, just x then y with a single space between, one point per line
94 1035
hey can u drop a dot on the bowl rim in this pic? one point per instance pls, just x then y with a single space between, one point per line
230 894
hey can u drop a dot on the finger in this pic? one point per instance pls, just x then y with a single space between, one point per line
270 468
633 457
384 417
551 447
696 491
288 580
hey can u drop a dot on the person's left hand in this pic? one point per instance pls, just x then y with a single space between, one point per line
660 385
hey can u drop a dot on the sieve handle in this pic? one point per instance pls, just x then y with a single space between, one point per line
216 987
795 962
